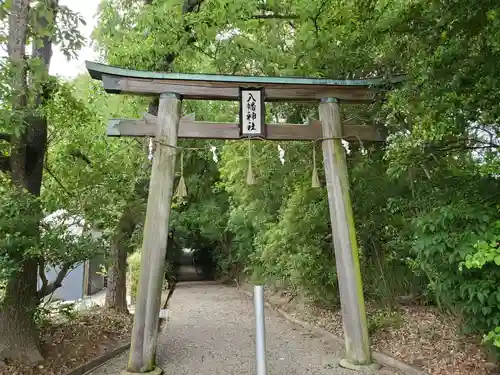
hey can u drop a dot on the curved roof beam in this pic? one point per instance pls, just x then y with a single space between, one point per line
226 87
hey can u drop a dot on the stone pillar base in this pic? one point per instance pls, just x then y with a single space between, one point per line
156 371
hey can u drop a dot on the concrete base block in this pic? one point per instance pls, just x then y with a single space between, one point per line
366 368
156 371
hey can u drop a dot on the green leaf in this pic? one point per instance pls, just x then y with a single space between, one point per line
497 260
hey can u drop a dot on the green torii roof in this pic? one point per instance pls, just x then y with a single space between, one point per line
226 87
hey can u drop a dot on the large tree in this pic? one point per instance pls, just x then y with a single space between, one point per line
113 26
26 90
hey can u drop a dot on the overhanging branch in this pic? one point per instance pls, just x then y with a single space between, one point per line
78 155
49 288
57 180
41 272
460 144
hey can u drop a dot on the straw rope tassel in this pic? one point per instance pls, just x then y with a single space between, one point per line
315 179
181 187
250 176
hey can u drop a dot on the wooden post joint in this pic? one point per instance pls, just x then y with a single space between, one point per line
329 100
170 95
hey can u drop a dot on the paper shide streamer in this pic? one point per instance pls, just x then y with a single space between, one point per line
150 155
281 154
213 149
181 192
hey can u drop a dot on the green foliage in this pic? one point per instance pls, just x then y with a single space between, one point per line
85 174
87 171
16 227
53 245
487 253
305 262
487 250
384 319
134 265
424 203
50 311
62 246
493 337
449 234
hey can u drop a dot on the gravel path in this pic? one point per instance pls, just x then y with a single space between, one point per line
211 331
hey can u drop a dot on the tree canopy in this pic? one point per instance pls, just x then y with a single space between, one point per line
426 201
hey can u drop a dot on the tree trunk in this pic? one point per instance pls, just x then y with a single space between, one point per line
116 291
18 332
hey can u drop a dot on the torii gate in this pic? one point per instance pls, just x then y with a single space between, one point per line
168 126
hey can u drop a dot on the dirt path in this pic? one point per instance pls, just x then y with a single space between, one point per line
211 331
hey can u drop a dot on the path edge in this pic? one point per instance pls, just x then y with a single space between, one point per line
100 360
378 357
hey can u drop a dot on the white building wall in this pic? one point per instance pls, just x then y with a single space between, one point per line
72 285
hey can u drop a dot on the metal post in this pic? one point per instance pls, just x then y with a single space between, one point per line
260 329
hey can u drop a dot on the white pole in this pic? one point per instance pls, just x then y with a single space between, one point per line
260 329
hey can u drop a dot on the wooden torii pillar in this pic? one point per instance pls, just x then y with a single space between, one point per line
168 126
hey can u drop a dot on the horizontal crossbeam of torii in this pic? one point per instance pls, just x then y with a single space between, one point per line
169 125
189 128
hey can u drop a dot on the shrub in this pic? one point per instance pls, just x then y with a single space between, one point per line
486 255
298 249
134 265
450 237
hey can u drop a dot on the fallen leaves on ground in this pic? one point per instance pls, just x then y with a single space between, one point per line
417 335
69 344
